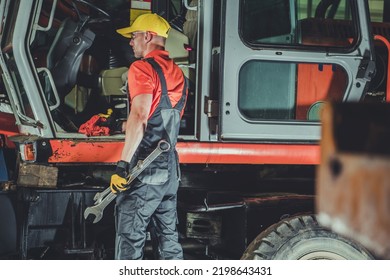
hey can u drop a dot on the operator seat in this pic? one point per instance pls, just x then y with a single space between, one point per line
65 54
64 60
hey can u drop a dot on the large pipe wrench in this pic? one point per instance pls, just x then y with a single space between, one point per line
102 199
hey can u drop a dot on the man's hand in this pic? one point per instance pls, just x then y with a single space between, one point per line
118 180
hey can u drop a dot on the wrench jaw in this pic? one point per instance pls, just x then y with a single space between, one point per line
98 208
90 211
101 195
163 146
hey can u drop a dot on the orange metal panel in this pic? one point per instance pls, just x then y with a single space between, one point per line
67 151
8 128
7 124
318 83
76 151
248 153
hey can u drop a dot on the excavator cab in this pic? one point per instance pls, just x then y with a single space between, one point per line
287 59
259 71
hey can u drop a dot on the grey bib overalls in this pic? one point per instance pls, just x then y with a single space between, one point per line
153 194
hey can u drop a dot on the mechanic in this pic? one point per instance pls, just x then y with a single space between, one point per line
158 93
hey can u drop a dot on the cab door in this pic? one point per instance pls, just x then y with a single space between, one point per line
18 74
283 59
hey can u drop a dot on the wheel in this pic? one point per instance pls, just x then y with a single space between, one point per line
302 238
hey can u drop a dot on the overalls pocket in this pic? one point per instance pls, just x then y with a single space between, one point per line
157 172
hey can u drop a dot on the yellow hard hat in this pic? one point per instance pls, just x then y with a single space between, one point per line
147 22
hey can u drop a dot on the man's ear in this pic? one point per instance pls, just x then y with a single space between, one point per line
148 37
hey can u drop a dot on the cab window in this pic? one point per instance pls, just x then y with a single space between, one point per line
297 23
7 33
280 91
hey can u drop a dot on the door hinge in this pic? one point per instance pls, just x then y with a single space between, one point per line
366 69
211 107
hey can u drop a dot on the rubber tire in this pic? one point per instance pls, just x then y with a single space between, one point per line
302 238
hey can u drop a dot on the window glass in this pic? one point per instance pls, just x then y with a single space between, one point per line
266 21
7 31
376 10
288 91
7 50
297 22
